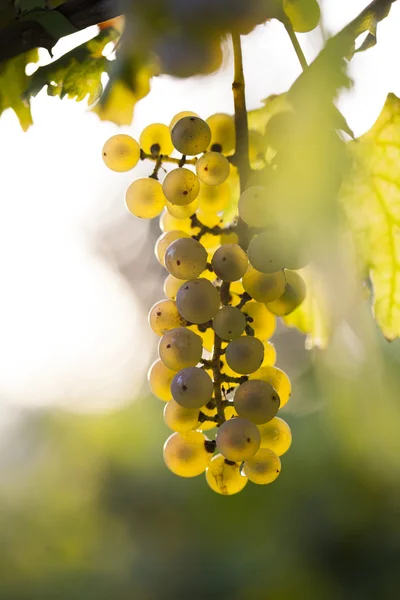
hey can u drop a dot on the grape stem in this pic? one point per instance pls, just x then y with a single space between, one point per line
295 43
170 159
217 230
217 378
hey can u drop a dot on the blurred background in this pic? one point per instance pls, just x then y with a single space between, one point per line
87 507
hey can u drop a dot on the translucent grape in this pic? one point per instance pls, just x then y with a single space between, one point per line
264 467
230 412
256 400
164 316
257 149
275 249
230 262
223 135
180 419
169 223
292 297
245 354
144 198
121 153
192 387
303 14
278 379
254 207
164 241
224 476
276 436
238 439
213 198
185 258
269 355
213 168
191 135
263 322
155 139
171 286
179 116
182 212
198 300
160 378
180 348
229 323
181 186
185 454
264 287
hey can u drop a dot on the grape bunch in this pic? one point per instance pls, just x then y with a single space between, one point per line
216 367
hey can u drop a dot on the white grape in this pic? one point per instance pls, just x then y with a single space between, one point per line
180 419
262 468
292 297
238 439
213 168
145 198
192 387
164 316
121 153
230 262
255 207
186 454
229 323
245 354
180 115
198 300
256 400
264 287
180 348
224 476
160 378
155 139
181 186
186 258
276 436
191 135
223 134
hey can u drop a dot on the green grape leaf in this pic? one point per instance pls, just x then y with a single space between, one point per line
259 117
13 81
371 200
52 20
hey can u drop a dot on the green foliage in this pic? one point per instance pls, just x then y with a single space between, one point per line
13 81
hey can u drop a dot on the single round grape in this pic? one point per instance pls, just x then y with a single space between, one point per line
238 439
144 198
179 116
192 387
186 455
223 134
278 379
264 467
160 378
181 186
121 153
264 287
169 223
180 348
292 297
182 212
171 286
186 258
256 400
213 198
213 168
304 15
263 322
230 262
274 249
155 139
245 354
254 207
276 436
257 149
180 419
164 316
229 323
164 241
224 476
198 300
191 135
229 237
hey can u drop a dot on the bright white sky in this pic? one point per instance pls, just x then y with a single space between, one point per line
71 331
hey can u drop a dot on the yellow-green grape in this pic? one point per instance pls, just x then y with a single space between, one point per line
144 198
168 223
186 258
164 241
213 168
155 139
263 322
230 262
257 149
254 208
264 467
224 477
292 297
209 240
213 198
186 454
180 348
245 354
164 316
230 412
179 418
229 323
278 379
256 400
237 287
264 287
182 212
304 15
121 153
276 436
229 238
181 186
191 135
207 425
171 286
160 378
192 387
207 336
275 249
198 301
223 135
238 439
269 355
180 115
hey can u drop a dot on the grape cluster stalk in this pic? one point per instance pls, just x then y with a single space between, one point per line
232 270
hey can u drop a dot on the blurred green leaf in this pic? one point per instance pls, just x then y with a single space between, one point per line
13 81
